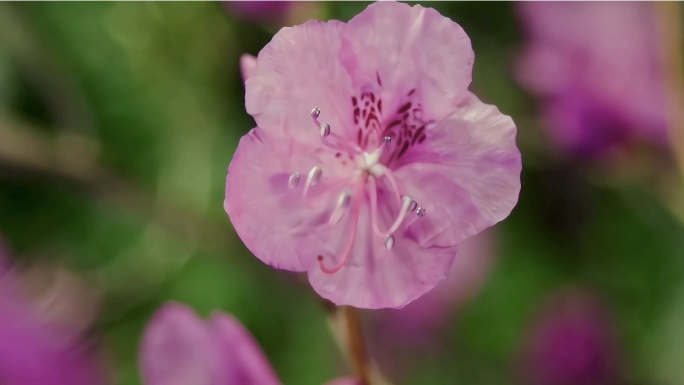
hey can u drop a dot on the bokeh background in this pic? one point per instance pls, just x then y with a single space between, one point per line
117 124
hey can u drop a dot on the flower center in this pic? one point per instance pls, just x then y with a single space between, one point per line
369 169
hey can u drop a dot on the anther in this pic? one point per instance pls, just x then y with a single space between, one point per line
338 143
311 179
389 242
413 206
315 175
325 129
343 200
420 211
342 203
294 180
387 139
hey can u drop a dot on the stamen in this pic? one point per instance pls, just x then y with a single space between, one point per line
325 129
340 143
294 180
343 200
389 242
313 178
413 206
347 250
407 201
402 214
342 203
420 211
315 113
315 175
387 139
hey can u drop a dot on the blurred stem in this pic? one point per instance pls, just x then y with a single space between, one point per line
345 324
357 345
670 15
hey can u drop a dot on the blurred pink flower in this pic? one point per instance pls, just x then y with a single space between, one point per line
597 68
34 350
372 190
422 322
571 342
179 348
396 335
258 10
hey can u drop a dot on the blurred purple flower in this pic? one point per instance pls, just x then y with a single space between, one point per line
34 351
179 348
597 67
259 10
572 342
402 155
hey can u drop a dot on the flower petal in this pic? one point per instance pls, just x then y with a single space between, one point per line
33 352
177 349
376 278
409 48
297 71
466 176
243 359
272 219
247 64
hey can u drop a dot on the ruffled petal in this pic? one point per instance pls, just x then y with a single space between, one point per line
376 278
466 175
177 349
297 71
247 64
272 219
405 48
242 358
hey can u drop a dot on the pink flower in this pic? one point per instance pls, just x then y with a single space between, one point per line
598 69
179 348
371 161
247 64
34 350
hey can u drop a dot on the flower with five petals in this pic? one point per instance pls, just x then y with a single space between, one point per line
371 160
